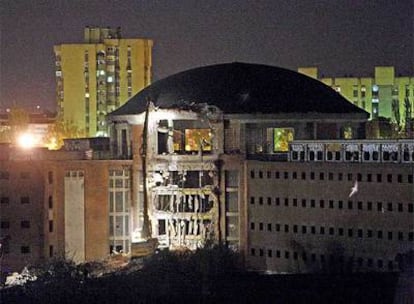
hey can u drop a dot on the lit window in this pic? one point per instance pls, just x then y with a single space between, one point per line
282 137
196 139
110 79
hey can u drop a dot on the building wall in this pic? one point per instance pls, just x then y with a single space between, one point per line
287 196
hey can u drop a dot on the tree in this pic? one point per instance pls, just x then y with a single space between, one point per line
60 130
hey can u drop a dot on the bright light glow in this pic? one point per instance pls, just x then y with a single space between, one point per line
26 141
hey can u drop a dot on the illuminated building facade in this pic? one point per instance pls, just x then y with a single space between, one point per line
96 77
251 161
384 95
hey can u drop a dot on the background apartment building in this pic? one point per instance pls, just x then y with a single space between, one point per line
95 77
383 95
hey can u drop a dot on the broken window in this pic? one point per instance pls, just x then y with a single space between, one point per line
197 139
281 139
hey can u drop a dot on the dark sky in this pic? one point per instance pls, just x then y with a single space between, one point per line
339 36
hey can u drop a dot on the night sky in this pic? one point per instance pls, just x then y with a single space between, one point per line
340 37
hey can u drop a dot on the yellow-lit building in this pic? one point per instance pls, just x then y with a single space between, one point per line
96 77
384 95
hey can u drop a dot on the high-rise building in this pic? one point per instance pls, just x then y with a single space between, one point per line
384 95
97 76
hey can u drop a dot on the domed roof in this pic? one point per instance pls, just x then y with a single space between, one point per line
238 88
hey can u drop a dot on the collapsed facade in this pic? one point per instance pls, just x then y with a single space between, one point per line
257 157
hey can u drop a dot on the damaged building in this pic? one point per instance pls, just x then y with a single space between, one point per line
257 157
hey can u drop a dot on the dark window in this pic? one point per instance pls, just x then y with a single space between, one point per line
269 174
295 228
400 236
349 176
411 236
50 251
321 176
277 227
294 175
260 200
330 176
313 257
4 224
331 204
303 229
379 207
25 200
286 175
340 204
322 204
369 206
260 174
269 201
312 175
287 254
252 200
286 202
25 249
359 205
389 206
286 228
304 203
369 262
25 224
295 255
369 233
350 205
261 252
277 201
312 203
331 231
389 178
390 235
340 176
399 178
252 251
50 201
278 253
400 207
380 264
251 226
410 208
350 232
269 253
360 233
277 174
51 226
50 177
341 231
4 200
252 174
303 175
313 229
410 178
322 230
295 202
359 177
369 177
269 227
379 234
25 175
379 178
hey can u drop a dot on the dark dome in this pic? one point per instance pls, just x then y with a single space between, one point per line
241 88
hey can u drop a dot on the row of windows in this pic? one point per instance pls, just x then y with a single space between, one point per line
369 177
23 224
331 204
338 231
322 258
6 200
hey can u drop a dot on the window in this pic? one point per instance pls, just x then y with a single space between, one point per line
260 174
25 224
303 175
260 200
261 252
286 228
312 175
369 206
389 206
51 251
331 204
295 202
261 226
340 204
360 233
389 178
304 229
389 235
350 232
304 203
330 176
294 175
269 174
399 178
312 203
197 139
277 228
277 174
269 201
50 177
331 231
50 226
269 253
369 233
350 205
287 254
322 230
410 208
4 200
281 139
252 200
4 175
286 202
252 226
50 201
379 234
24 200
359 177
400 236
340 176
400 207
278 253
25 175
25 249
313 229
277 201
359 205
410 178
369 177
321 176
4 224
322 204
379 178
269 227
341 231
252 251
286 175
252 174
379 207
295 228
349 175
